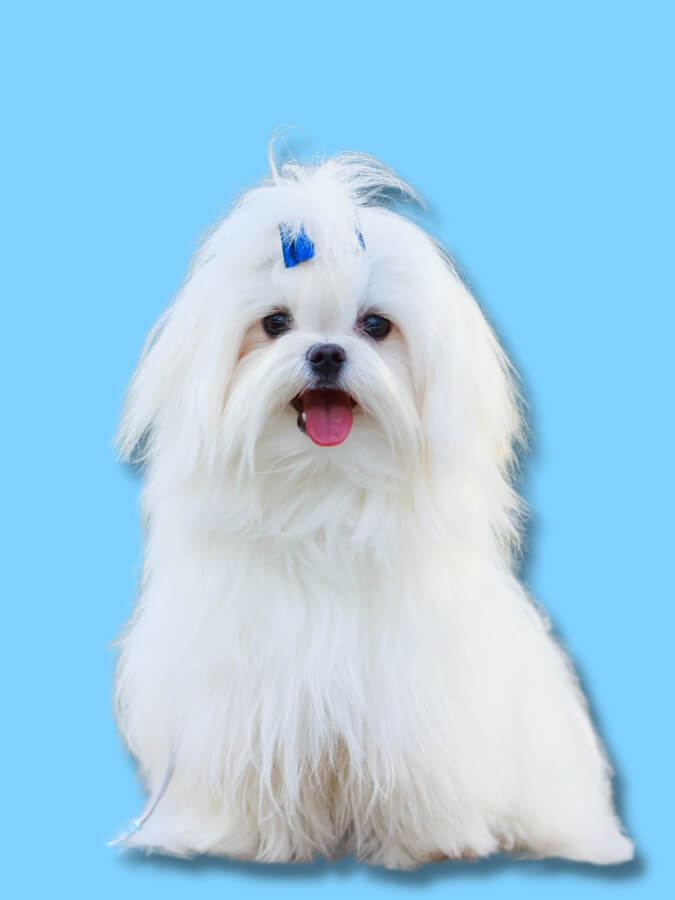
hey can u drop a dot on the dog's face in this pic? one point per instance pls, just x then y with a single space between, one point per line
337 351
325 365
367 357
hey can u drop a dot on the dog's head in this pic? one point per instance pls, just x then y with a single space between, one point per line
318 330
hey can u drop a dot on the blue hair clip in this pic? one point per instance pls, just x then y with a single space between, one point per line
299 248
296 249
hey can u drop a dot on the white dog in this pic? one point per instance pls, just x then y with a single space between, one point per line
331 652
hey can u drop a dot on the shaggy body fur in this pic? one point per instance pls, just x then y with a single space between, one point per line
331 641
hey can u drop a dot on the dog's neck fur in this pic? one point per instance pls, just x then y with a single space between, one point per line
324 515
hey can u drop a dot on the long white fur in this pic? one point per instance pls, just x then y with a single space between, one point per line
332 641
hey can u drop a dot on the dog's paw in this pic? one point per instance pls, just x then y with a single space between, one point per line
610 848
607 850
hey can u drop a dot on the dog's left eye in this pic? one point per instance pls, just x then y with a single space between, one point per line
376 327
277 323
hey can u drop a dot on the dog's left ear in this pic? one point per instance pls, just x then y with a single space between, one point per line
471 408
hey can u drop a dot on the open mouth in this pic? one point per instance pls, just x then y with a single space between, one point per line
325 415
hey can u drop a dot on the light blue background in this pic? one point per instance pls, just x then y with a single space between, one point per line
541 134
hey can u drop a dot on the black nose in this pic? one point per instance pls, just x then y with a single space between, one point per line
326 359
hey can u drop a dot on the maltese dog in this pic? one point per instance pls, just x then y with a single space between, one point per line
331 651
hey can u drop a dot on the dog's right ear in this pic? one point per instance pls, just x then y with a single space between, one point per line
149 388
176 396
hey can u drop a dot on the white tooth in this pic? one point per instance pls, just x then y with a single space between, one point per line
303 416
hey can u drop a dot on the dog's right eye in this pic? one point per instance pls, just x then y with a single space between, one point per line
277 323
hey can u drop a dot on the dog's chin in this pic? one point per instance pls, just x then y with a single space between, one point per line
325 415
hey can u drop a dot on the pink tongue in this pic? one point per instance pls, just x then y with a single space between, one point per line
329 416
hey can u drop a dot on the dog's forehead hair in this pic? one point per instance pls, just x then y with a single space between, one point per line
325 296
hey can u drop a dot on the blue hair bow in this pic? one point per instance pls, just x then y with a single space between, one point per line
296 248
299 247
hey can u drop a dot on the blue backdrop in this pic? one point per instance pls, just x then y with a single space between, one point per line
541 134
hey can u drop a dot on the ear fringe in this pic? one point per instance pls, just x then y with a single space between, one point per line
143 398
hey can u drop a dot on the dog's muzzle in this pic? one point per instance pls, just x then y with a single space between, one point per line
325 411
